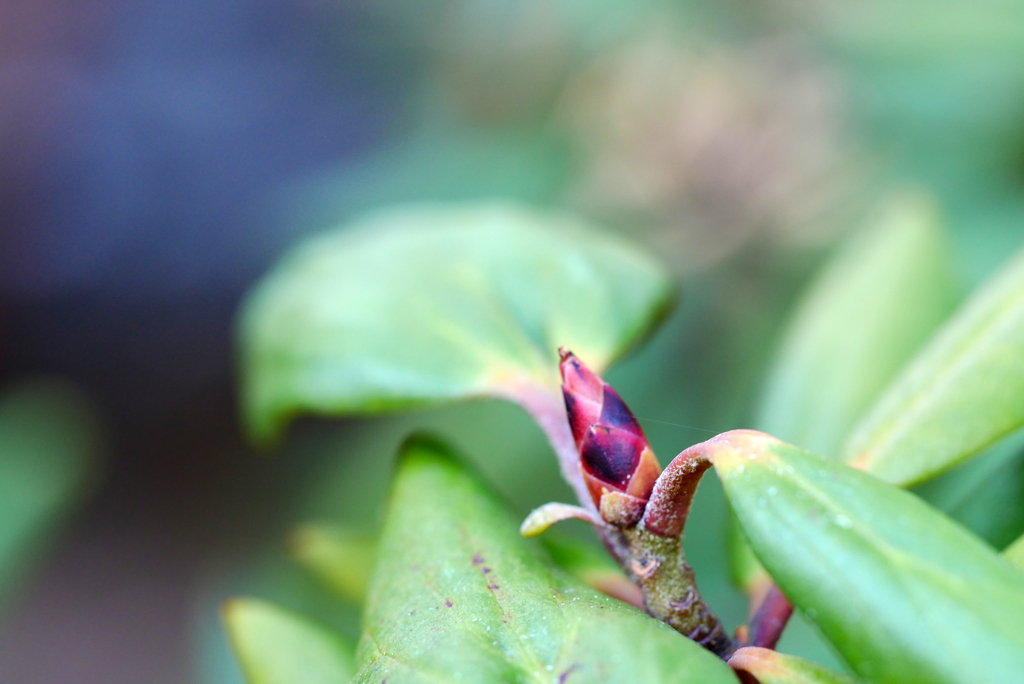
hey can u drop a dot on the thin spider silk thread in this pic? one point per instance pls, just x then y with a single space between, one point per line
665 422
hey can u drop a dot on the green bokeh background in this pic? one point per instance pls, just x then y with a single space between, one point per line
568 105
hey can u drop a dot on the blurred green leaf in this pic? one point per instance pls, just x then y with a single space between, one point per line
771 667
420 305
902 592
917 29
963 392
453 164
871 307
48 444
457 594
878 300
274 577
275 646
1015 553
340 557
984 494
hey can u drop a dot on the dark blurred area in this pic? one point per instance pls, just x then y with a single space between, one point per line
157 158
138 144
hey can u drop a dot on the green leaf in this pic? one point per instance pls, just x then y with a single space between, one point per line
340 557
771 667
48 445
435 303
902 592
1015 553
275 646
963 392
872 306
457 594
984 494
447 165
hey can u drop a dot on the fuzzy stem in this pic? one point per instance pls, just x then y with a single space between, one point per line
673 493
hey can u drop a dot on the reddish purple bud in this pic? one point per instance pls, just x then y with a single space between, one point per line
611 454
615 413
583 392
614 453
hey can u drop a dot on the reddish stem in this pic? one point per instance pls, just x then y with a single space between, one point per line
770 618
672 497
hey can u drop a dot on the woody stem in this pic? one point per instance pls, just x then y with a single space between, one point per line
658 565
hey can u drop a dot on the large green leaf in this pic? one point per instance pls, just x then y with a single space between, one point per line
48 445
964 391
275 646
771 667
878 300
420 305
342 559
457 594
903 593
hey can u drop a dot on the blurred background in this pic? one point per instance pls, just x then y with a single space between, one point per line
156 158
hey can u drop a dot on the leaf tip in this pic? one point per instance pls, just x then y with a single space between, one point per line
755 660
421 442
540 519
230 608
771 667
263 426
235 611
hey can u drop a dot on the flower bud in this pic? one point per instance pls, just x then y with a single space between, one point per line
618 464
